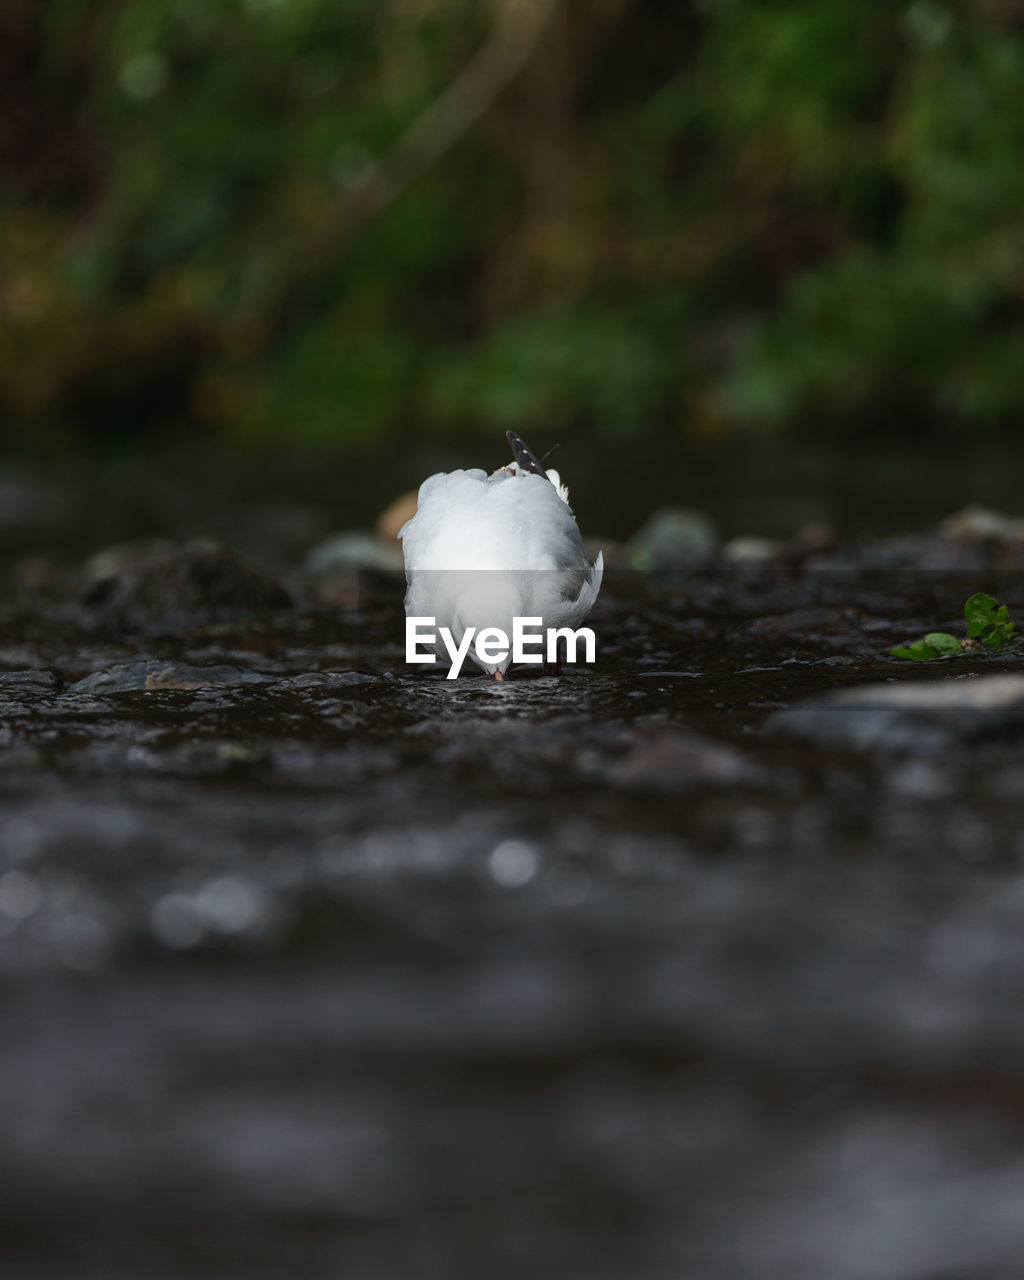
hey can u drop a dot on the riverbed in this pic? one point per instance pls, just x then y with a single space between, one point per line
314 965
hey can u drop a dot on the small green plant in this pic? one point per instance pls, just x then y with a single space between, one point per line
988 621
988 627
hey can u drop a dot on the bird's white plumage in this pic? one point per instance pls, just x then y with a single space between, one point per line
483 549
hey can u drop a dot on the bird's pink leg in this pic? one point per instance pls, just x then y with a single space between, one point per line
500 675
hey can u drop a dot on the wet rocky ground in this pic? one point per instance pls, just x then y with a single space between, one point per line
700 964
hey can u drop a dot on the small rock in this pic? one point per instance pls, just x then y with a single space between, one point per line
152 674
123 556
680 761
39 681
913 715
675 538
19 688
354 550
395 515
200 581
978 521
746 550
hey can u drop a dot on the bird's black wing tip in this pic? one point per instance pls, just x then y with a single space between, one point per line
524 455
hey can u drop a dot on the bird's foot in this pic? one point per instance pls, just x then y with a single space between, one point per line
553 668
500 675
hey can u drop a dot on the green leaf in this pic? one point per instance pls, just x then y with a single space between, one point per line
1001 623
979 611
945 645
922 651
987 621
919 651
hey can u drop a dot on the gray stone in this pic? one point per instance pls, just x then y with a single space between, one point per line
912 715
675 538
197 582
978 521
154 674
352 550
751 551
27 690
124 556
40 681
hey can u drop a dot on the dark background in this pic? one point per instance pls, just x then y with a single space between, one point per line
291 223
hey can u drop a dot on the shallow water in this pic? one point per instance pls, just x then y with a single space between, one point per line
329 969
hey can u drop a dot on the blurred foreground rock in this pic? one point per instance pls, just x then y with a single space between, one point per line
146 584
911 716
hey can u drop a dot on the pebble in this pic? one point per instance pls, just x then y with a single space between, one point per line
751 551
394 515
978 521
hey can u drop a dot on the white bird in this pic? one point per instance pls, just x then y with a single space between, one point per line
482 550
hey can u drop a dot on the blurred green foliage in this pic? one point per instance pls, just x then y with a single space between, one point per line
700 217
